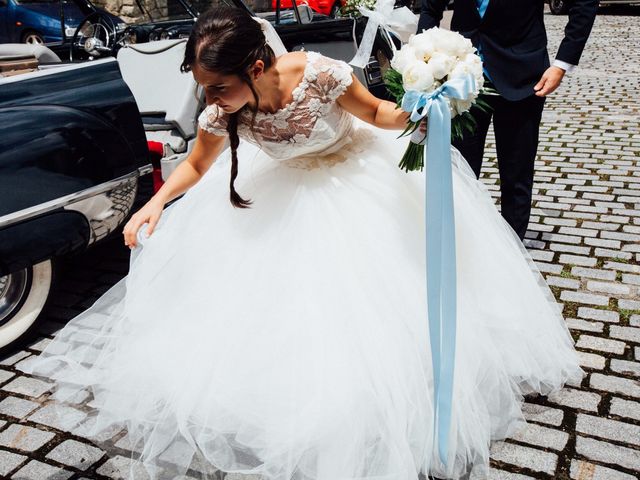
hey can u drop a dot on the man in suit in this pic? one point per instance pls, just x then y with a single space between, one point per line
511 39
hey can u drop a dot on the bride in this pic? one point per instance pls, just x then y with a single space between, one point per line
288 337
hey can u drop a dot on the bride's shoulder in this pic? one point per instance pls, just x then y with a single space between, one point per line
292 62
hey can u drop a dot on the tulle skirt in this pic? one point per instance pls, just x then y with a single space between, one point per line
290 340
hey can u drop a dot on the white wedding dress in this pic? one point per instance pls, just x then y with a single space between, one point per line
291 339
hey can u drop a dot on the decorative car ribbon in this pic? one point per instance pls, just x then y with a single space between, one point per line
440 242
401 21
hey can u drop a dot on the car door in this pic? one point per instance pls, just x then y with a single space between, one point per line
4 21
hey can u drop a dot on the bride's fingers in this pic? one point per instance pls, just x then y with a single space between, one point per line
153 221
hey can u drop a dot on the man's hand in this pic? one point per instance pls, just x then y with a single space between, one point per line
550 80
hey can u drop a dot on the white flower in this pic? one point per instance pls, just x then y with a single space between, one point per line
460 106
441 64
418 76
403 58
423 45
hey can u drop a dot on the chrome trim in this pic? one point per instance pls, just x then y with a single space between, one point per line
31 212
147 169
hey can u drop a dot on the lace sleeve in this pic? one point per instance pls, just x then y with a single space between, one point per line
213 120
331 77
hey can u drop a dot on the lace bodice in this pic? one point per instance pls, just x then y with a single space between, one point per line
312 123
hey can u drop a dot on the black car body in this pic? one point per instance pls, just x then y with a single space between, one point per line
71 151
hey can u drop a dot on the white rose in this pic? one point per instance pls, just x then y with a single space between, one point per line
403 58
441 64
418 76
459 106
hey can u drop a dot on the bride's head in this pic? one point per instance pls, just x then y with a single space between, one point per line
227 52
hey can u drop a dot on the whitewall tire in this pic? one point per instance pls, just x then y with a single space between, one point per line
23 295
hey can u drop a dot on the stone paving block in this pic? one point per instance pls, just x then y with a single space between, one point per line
577 399
591 360
608 429
24 438
596 273
578 260
625 408
607 253
608 453
597 314
542 436
581 470
625 367
563 282
631 278
6 375
549 268
612 384
31 387
118 468
17 407
568 248
61 417
623 267
15 358
35 470
630 334
542 414
601 344
525 457
605 287
556 237
586 298
10 461
76 454
629 304
634 320
540 255
584 325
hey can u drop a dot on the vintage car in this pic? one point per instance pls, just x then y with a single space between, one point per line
41 21
78 136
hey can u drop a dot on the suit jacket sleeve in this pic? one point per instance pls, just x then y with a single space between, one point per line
431 14
582 14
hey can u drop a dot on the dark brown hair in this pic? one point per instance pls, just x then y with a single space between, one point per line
229 41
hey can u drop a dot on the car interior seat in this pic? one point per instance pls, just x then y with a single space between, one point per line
16 58
168 99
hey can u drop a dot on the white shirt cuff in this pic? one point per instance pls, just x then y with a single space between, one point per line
567 67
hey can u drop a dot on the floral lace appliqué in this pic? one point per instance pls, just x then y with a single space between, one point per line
312 121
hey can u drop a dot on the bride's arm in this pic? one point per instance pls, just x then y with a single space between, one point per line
206 149
358 101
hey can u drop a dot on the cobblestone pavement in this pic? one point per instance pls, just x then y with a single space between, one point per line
584 235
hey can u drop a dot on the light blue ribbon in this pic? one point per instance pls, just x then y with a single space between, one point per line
440 242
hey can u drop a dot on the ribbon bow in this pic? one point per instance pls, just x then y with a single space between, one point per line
401 21
440 242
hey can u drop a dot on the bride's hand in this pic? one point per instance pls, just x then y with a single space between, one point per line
150 214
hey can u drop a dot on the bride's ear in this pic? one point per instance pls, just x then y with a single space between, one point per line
257 69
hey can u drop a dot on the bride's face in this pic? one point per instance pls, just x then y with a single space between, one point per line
229 92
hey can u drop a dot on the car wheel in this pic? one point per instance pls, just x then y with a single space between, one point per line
32 37
558 7
23 295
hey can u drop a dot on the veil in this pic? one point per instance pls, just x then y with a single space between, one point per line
272 37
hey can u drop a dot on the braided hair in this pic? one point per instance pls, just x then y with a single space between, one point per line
229 41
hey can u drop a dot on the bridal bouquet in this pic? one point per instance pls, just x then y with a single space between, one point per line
435 66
